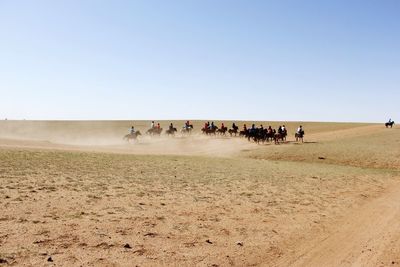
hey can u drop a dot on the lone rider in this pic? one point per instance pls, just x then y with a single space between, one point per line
300 130
132 130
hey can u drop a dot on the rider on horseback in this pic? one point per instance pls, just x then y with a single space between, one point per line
132 130
171 127
300 130
211 127
253 128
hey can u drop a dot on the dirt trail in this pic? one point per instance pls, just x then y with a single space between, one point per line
366 237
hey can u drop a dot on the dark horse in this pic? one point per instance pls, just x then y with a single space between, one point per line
209 131
132 136
281 135
222 130
171 131
299 136
389 124
234 130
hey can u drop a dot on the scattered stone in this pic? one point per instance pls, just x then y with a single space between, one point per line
208 241
321 157
239 244
127 246
3 261
50 259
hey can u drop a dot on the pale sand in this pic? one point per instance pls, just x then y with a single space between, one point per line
79 194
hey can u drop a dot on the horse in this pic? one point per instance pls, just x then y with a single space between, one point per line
208 131
280 136
234 130
187 130
154 131
299 136
132 136
389 124
171 131
243 133
222 130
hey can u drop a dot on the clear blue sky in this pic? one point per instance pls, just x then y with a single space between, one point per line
205 59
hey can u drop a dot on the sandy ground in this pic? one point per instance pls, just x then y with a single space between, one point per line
75 194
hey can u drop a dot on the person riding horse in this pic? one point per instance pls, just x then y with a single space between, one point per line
389 123
211 126
300 131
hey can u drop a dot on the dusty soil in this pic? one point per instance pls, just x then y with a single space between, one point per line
75 194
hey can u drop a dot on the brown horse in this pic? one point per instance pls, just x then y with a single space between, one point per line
233 131
279 136
154 131
208 131
222 130
132 136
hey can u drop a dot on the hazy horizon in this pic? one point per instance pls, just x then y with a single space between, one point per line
261 60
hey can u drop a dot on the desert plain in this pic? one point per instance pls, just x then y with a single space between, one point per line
73 193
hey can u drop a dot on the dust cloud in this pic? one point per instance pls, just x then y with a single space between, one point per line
108 137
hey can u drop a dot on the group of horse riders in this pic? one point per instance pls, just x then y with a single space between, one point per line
157 127
211 126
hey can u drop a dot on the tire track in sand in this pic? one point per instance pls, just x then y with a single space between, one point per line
364 238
